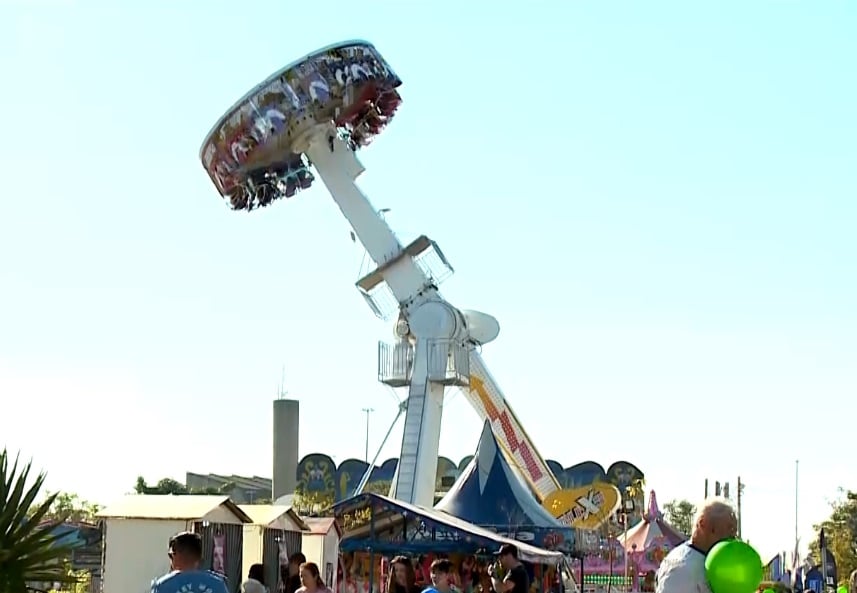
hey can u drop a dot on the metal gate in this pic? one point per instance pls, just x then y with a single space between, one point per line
233 550
291 542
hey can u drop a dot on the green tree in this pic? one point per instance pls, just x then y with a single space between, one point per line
840 531
81 583
171 486
30 550
680 515
164 486
70 507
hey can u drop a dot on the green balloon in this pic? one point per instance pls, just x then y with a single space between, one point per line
733 566
842 589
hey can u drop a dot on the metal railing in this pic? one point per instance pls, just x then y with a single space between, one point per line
448 363
395 363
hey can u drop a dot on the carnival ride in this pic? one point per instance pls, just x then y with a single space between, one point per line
316 113
648 542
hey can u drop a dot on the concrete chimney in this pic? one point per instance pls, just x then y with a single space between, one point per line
286 429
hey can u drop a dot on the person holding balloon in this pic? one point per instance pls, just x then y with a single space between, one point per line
852 584
713 561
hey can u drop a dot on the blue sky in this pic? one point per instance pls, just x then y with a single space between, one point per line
656 200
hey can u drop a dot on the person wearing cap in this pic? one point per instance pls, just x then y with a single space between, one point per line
515 578
185 554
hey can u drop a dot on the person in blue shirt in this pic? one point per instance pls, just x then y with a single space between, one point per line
185 576
441 577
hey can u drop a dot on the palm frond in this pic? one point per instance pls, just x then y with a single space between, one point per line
31 549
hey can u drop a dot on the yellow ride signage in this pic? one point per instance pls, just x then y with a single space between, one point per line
584 508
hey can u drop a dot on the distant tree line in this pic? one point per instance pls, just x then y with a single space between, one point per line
171 486
679 514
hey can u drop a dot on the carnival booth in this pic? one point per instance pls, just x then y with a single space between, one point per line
376 528
490 493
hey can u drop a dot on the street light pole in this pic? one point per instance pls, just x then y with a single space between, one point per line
797 536
367 411
625 548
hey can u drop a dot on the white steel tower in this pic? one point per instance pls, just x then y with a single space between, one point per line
316 113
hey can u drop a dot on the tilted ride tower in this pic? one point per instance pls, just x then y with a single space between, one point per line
315 114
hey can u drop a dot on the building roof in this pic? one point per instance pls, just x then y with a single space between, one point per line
266 514
476 534
321 525
285 501
218 480
185 507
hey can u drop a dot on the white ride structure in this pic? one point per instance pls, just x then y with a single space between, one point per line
317 112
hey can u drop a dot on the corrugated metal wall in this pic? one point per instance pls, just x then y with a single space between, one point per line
271 554
233 553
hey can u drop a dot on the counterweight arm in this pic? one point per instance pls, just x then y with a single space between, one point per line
489 402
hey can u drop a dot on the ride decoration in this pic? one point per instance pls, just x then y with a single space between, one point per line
733 566
250 154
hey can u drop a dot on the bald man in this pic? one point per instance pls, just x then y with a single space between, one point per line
683 570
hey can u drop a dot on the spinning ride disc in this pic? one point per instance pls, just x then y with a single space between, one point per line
250 153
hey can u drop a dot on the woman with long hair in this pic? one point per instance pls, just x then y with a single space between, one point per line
311 580
402 577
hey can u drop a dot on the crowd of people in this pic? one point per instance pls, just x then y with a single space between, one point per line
506 575
682 571
185 575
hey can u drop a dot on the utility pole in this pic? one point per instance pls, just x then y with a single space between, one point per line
740 492
367 411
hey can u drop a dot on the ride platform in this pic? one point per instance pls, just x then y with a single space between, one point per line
252 153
